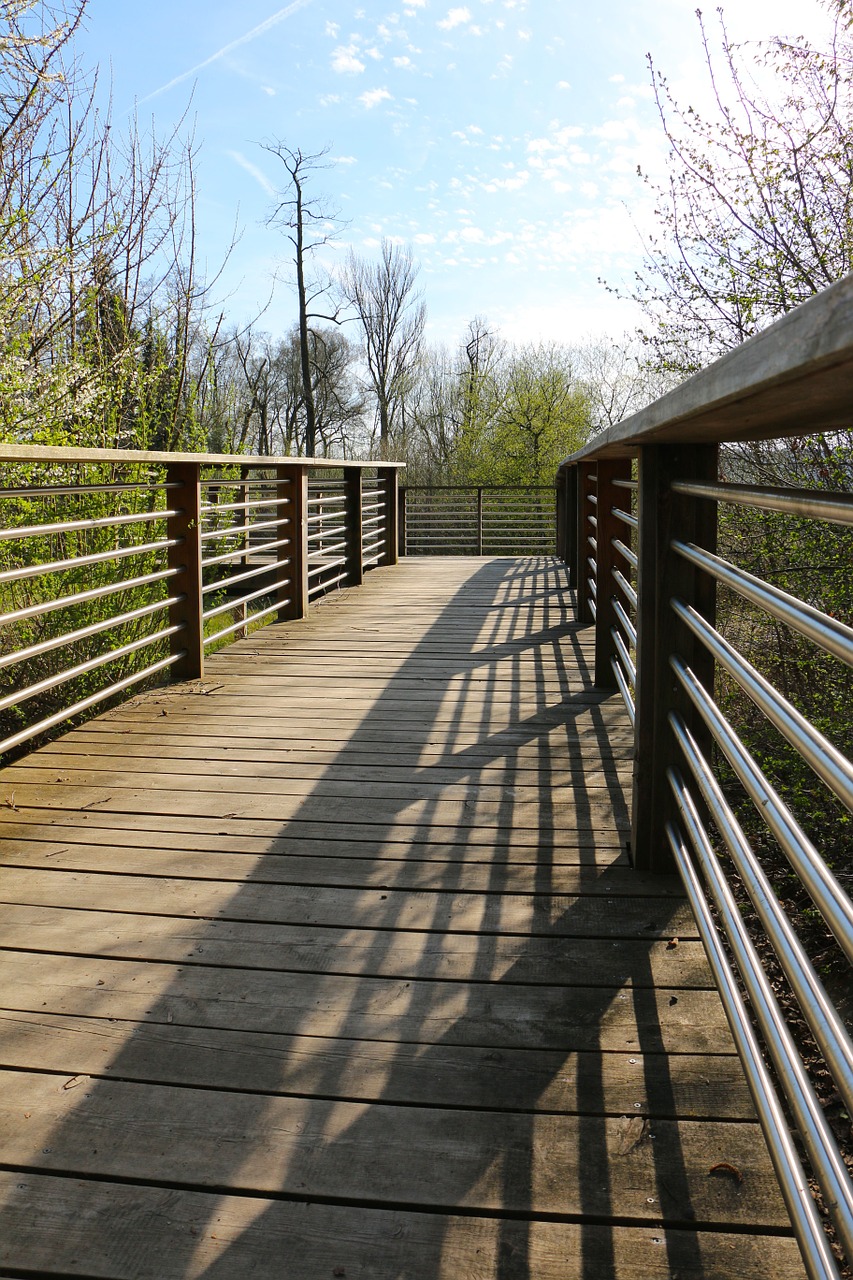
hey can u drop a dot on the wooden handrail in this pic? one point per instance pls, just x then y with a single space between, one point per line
792 379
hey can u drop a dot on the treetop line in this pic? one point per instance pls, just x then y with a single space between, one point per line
113 338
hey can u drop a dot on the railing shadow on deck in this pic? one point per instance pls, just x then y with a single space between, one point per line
372 1121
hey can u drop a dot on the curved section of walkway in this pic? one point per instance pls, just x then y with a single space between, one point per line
334 965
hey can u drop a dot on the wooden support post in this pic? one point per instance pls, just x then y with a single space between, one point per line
186 557
609 527
401 520
560 521
389 478
585 508
662 575
243 496
571 525
352 522
480 521
294 600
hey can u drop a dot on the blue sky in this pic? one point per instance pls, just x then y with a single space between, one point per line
500 138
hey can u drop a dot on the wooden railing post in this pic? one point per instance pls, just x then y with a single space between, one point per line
570 553
293 558
352 522
662 575
585 508
607 559
243 496
389 480
186 556
401 520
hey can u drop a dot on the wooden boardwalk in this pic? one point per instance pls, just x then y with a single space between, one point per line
333 965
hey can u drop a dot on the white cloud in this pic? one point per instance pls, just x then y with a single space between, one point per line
424 237
373 97
563 84
560 139
344 159
252 169
346 61
455 18
515 183
403 62
332 30
270 92
330 99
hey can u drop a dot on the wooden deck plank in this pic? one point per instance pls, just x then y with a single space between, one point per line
686 1086
348 929
178 1235
323 1149
323 867
546 961
383 907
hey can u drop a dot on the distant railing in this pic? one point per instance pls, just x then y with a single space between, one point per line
477 520
637 525
118 567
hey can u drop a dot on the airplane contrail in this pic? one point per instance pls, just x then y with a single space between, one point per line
220 53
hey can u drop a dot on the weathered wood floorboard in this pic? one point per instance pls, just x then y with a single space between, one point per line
334 964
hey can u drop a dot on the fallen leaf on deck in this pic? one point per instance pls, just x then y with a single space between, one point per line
723 1166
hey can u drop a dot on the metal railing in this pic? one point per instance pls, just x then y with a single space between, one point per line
637 525
118 567
477 520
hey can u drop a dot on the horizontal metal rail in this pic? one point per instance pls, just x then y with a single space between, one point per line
821 885
256 616
87 597
815 1247
245 551
625 691
830 634
825 1022
74 526
234 530
819 753
85 704
80 562
84 633
836 508
83 668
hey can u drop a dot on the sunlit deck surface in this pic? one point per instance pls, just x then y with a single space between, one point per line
334 965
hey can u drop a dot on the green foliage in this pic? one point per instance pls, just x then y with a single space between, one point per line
496 414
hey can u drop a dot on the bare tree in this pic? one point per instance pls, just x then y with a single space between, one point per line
757 212
392 315
309 225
